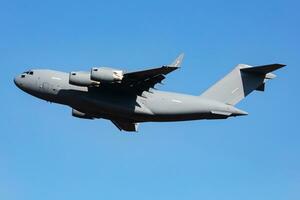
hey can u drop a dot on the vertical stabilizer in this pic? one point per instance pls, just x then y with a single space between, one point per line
240 82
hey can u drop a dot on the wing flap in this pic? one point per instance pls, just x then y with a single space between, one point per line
126 125
146 79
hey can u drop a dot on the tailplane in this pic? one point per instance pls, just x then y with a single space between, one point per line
240 82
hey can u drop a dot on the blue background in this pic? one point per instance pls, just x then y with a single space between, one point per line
45 153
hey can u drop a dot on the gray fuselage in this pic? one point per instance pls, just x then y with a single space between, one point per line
113 103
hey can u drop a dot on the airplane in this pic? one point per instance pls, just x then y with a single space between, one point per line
130 98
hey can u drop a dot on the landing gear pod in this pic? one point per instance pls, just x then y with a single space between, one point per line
106 74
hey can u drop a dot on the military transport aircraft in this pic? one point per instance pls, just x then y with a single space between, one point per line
129 98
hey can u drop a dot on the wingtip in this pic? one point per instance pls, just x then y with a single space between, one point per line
178 61
181 55
280 64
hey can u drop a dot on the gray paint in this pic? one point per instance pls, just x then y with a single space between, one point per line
240 82
126 107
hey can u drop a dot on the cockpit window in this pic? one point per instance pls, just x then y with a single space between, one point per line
23 76
28 72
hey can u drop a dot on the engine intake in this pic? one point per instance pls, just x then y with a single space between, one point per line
78 114
81 79
106 74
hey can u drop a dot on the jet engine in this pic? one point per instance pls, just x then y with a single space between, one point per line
81 79
78 114
106 74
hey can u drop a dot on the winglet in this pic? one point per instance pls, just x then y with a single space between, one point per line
177 62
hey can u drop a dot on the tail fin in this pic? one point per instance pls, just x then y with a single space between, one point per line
240 82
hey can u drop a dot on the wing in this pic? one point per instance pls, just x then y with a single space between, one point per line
146 79
126 125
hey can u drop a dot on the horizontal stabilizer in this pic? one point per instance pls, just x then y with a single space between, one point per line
263 69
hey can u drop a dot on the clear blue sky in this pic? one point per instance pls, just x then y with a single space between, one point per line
47 154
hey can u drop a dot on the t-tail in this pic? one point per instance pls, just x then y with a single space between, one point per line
240 82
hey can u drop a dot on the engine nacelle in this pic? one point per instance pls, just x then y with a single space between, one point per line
81 79
78 114
106 74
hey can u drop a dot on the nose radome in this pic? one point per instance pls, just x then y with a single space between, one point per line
17 81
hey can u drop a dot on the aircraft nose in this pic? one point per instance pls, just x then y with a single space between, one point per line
17 81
